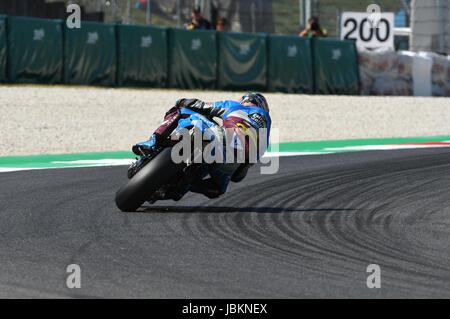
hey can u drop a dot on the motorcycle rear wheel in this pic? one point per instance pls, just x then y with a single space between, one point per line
158 172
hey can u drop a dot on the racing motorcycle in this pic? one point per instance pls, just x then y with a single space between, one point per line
156 174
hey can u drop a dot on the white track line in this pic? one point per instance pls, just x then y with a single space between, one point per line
128 161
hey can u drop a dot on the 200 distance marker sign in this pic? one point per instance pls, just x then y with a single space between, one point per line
370 31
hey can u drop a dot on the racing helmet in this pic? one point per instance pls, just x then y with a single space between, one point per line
257 99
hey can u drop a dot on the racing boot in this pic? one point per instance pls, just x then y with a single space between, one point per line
145 148
240 173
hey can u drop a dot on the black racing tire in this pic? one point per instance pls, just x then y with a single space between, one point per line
149 179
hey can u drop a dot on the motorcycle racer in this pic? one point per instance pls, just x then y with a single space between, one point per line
249 114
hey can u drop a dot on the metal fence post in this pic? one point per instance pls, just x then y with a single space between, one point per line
148 17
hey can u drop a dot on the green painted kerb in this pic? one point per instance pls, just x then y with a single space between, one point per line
321 146
40 161
48 161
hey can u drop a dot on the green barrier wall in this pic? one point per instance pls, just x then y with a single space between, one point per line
35 50
192 59
290 65
142 56
3 49
335 67
242 61
45 51
90 54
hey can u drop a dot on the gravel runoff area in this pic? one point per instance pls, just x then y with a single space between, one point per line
61 119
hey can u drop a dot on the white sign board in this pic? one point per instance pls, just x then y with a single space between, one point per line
368 29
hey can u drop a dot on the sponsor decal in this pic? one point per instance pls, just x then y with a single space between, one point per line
258 119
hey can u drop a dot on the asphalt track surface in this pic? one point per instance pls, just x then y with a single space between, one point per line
309 231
